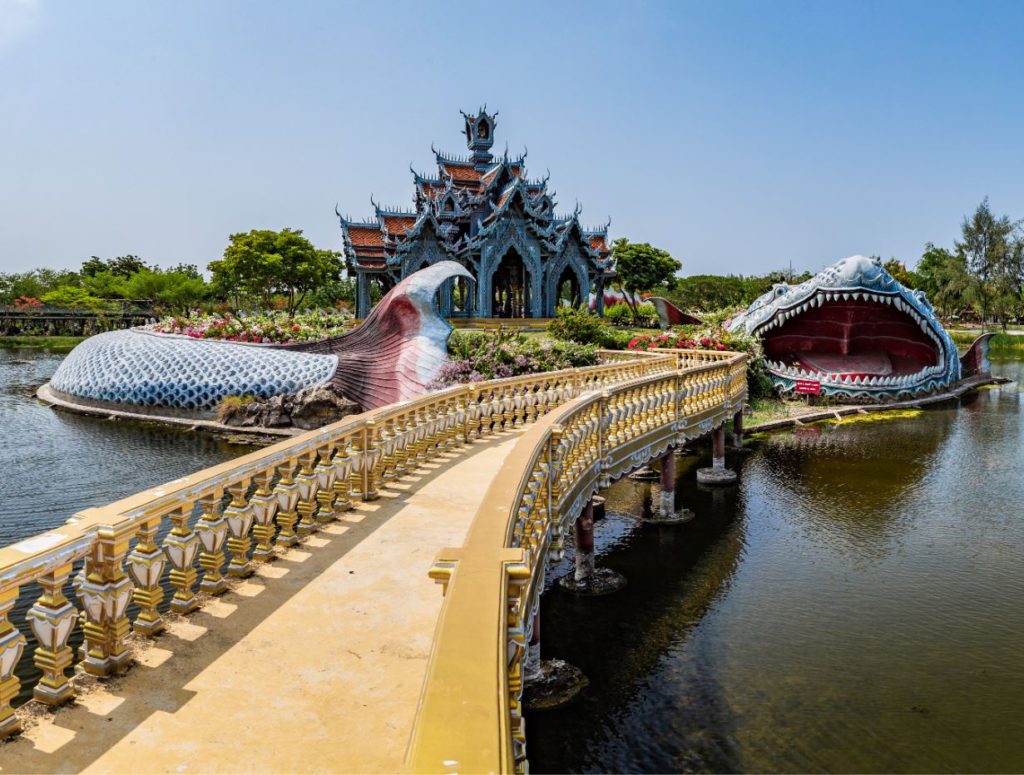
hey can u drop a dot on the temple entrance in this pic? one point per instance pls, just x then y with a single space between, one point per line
510 288
567 290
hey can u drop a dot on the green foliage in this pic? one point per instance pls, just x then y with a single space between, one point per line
899 271
334 293
994 250
577 324
71 297
619 314
173 290
34 284
262 263
642 267
122 266
713 292
944 277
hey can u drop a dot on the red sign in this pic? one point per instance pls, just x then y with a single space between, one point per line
809 387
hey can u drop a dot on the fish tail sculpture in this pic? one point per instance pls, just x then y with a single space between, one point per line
670 315
975 361
392 356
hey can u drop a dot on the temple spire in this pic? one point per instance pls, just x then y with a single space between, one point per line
479 133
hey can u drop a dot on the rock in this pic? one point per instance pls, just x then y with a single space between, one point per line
308 409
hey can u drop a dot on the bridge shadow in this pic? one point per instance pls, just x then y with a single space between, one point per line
72 738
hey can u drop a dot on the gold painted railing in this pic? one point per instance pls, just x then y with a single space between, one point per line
239 513
470 717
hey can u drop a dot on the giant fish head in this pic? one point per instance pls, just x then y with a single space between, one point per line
856 331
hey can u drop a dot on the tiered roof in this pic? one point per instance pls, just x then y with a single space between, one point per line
462 202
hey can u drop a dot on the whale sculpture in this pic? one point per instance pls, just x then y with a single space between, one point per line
391 357
853 330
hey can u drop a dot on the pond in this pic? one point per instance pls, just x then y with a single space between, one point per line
856 603
55 463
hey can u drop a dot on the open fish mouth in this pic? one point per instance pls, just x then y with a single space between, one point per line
854 338
852 330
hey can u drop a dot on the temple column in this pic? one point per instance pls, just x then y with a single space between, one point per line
362 295
599 295
718 473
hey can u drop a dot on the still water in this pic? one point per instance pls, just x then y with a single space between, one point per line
855 604
53 464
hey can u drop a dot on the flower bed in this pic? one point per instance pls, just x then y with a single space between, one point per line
478 356
262 328
681 340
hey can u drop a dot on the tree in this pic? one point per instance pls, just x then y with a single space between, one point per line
642 267
262 263
943 276
994 252
899 271
175 289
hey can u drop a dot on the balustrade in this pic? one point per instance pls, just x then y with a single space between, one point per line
278 496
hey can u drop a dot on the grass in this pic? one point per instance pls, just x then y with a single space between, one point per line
1000 345
56 343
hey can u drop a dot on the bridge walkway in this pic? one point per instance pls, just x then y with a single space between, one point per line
320 667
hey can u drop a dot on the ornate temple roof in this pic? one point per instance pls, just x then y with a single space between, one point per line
463 201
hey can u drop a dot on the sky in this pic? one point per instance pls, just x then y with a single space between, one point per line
742 137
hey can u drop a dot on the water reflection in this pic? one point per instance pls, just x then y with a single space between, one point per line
856 604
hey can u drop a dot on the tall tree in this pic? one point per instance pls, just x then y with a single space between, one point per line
263 263
641 267
944 277
993 249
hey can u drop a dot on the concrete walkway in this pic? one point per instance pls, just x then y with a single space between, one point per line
315 664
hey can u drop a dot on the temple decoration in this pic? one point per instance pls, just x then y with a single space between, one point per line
486 214
853 330
392 356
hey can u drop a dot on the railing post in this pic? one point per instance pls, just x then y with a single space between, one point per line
554 528
370 451
12 645
52 619
287 493
264 505
212 530
342 485
307 485
326 475
180 546
604 442
104 594
146 565
239 516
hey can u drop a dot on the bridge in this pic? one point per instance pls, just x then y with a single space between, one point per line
315 638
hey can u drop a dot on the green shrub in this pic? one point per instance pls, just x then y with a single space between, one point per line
577 324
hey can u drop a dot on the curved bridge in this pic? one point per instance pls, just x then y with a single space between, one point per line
338 655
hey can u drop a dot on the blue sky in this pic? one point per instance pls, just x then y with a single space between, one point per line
742 137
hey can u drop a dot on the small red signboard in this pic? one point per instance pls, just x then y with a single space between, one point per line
809 387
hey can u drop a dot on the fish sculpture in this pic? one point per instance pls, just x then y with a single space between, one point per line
392 356
853 330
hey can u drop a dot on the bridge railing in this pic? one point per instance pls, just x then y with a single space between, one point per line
470 716
125 556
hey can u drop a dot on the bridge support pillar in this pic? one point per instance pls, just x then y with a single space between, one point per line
598 502
548 683
717 473
666 513
587 579
737 433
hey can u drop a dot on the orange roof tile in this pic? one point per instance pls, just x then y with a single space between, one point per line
369 236
462 174
396 225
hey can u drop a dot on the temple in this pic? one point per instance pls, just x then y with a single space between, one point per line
486 214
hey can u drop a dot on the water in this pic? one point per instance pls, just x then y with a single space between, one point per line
55 463
856 604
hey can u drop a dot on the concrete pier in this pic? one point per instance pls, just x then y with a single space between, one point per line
586 578
717 473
